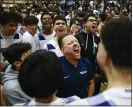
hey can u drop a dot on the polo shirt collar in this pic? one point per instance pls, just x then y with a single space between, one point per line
68 63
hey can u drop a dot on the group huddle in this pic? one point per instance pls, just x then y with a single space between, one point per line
57 66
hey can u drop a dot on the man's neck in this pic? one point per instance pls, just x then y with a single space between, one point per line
119 78
88 32
72 61
31 33
100 22
48 31
46 100
16 68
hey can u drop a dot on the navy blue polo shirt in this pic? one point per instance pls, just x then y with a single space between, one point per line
76 80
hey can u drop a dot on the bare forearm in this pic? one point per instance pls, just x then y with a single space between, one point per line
91 89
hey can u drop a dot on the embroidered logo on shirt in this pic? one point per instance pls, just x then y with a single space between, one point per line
66 77
83 72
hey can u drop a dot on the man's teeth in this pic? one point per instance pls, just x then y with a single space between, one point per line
76 51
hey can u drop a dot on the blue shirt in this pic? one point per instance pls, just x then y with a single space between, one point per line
76 80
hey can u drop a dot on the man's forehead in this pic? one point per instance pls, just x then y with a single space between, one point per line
12 23
46 15
91 17
60 21
69 38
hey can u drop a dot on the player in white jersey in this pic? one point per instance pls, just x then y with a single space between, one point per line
58 101
29 36
9 23
47 32
115 59
60 27
40 77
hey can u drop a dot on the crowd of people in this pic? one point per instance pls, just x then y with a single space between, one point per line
59 53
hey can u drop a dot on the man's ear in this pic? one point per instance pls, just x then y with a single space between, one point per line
17 63
62 50
106 59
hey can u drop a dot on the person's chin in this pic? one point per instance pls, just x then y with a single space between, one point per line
93 32
77 57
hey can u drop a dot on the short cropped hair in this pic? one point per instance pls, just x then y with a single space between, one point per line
40 75
60 17
29 20
85 19
117 40
61 38
80 14
8 17
103 16
47 13
14 52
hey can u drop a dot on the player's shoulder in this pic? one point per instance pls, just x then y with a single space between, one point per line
79 102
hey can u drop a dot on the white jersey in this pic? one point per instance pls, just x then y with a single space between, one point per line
68 18
52 45
44 39
33 40
6 41
58 101
111 97
39 23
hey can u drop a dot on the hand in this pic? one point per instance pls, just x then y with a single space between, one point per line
3 64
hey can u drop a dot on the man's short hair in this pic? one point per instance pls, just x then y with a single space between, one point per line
61 38
80 14
47 13
40 75
29 20
8 17
116 36
14 52
103 16
85 19
60 17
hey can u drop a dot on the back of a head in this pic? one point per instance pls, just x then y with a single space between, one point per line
8 17
14 52
40 75
30 20
59 17
108 19
80 14
103 16
116 36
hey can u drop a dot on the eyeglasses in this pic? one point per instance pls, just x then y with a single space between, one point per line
77 24
92 20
